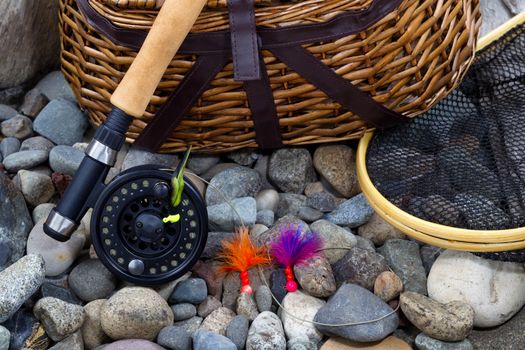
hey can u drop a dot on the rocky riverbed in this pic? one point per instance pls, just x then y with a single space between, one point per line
60 296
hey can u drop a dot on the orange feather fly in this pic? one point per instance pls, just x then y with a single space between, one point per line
240 254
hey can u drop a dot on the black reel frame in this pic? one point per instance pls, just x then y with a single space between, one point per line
127 227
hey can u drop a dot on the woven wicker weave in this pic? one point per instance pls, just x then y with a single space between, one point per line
408 61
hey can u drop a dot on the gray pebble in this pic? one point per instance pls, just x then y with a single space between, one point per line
91 280
37 143
54 86
36 188
24 160
289 204
136 157
309 214
65 159
174 338
424 342
9 145
246 306
237 331
265 217
300 344
208 306
7 112
233 183
353 213
322 201
291 169
60 319
190 325
244 157
263 298
222 217
42 211
19 126
202 163
5 336
183 311
192 290
206 340
64 294
34 102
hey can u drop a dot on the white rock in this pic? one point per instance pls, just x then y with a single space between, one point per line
267 199
58 256
301 305
494 289
266 332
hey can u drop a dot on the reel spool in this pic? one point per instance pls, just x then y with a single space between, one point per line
129 235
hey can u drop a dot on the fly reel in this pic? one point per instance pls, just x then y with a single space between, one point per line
129 234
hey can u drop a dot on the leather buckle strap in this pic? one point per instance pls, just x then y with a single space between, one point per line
243 35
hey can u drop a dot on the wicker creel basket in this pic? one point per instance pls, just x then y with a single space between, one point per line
410 58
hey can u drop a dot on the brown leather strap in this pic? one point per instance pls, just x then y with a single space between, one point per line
264 112
181 100
245 51
338 88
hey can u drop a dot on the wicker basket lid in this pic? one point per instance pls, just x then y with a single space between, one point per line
156 4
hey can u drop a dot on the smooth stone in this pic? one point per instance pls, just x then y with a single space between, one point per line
208 271
21 326
261 166
267 236
290 204
232 284
137 157
36 188
429 254
54 86
214 243
336 164
336 238
132 344
448 322
237 331
309 214
73 342
278 285
352 303
24 160
192 290
7 112
224 217
190 325
300 344
424 342
365 243
267 200
175 338
494 289
379 231
388 286
301 305
92 332
200 163
209 305
18 282
232 183
59 318
291 169
322 201
389 343
15 222
218 320
65 159
315 277
5 338
258 229
352 213
404 259
34 102
42 211
266 333
19 126
246 306
265 217
183 312
135 312
244 157
206 340
64 294
9 145
216 169
263 298
360 267
58 256
91 280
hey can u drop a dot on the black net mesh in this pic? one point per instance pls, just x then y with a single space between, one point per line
462 164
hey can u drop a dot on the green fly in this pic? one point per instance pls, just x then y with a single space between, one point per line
177 184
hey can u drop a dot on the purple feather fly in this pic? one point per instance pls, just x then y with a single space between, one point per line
292 247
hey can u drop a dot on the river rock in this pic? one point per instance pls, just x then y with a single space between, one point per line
9 145
388 286
309 214
218 320
192 290
447 322
19 126
21 326
222 217
306 307
183 312
353 213
266 333
72 342
135 312
190 325
34 102
18 282
36 188
200 163
233 183
55 291
246 306
91 280
352 303
424 342
316 277
5 337
291 169
136 157
7 112
128 344
54 86
175 338
290 204
481 283
360 267
208 272
92 332
237 331
208 306
267 200
42 211
265 217
266 237
336 164
334 237
24 160
379 231
65 159
429 254
59 318
278 284
322 201
389 343
206 340
59 256
404 259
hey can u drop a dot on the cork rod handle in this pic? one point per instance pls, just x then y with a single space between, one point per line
172 25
